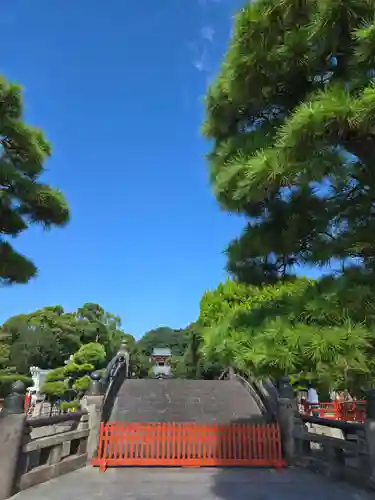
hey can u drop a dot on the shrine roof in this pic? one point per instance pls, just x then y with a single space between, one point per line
159 351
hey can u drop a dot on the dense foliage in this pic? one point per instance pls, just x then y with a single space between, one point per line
74 344
23 199
299 328
291 118
163 336
185 345
191 363
48 337
72 380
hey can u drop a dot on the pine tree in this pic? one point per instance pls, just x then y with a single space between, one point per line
292 115
23 199
299 329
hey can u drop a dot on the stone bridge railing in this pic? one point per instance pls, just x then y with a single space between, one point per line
52 446
117 371
33 450
263 392
36 449
340 450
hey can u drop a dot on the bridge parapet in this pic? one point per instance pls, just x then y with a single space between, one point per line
34 450
264 392
102 393
117 371
340 450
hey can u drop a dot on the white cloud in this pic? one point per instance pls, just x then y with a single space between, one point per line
200 62
208 33
200 56
200 48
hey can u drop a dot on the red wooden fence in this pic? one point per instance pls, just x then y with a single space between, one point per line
348 411
189 445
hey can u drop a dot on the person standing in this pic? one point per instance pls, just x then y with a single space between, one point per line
313 400
27 402
333 395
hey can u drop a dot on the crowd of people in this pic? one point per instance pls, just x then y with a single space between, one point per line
310 401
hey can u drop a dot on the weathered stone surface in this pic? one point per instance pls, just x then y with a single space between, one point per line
51 430
185 484
12 429
45 473
93 405
174 400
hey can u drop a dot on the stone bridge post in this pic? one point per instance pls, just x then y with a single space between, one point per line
286 416
123 353
93 403
12 431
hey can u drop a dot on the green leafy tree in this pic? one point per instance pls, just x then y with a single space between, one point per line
24 200
46 338
72 380
230 296
49 336
298 329
5 341
55 389
34 347
101 326
179 367
192 358
185 344
176 340
139 363
291 119
192 364
93 353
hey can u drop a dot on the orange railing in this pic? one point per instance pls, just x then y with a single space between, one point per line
348 411
189 445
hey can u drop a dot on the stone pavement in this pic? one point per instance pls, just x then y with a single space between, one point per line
187 484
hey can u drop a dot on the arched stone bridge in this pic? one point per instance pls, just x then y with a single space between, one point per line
210 424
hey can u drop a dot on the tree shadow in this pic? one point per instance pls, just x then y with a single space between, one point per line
244 451
268 482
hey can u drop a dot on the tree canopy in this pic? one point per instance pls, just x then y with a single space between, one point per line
290 119
49 336
304 329
73 379
163 336
24 200
290 116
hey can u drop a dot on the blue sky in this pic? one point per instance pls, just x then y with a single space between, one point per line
117 87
